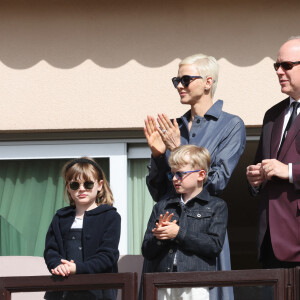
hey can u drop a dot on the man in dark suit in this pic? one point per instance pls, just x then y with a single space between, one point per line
275 174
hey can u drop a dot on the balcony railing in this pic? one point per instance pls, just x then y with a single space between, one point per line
284 283
127 282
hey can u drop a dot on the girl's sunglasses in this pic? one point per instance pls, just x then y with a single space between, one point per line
185 80
286 65
179 175
74 185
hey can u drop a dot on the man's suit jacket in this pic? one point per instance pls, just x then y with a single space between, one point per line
280 199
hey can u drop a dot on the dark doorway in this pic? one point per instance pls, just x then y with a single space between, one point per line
242 226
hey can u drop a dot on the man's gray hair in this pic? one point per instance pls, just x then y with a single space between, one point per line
294 37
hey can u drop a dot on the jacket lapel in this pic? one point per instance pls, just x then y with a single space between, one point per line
291 135
276 134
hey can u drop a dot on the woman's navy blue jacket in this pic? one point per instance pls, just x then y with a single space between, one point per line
202 221
100 240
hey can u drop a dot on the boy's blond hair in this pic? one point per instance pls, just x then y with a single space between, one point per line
197 157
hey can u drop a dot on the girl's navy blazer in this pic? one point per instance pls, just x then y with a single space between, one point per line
100 239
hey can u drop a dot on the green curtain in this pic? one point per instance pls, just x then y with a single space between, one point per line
140 204
31 191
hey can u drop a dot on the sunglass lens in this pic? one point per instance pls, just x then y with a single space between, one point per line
74 185
175 81
287 65
185 80
170 176
89 185
178 175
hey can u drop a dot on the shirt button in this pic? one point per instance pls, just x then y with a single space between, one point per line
158 243
199 215
80 248
194 134
73 237
198 121
171 251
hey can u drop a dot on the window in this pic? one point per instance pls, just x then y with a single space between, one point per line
49 156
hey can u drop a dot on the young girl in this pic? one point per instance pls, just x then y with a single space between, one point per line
83 238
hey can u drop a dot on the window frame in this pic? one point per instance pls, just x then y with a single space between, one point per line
118 151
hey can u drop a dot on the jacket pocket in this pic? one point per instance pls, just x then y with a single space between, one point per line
198 221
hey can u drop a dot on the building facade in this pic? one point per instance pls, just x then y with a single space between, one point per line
79 77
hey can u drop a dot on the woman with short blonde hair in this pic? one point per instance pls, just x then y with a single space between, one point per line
204 125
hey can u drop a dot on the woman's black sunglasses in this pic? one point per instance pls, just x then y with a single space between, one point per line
185 80
286 65
88 185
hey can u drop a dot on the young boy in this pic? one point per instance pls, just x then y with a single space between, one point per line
186 233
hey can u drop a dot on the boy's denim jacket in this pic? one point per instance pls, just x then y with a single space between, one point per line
202 221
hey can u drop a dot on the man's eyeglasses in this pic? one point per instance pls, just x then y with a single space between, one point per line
179 175
286 65
74 185
185 80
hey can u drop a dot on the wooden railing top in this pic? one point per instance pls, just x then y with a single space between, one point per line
285 282
127 282
282 281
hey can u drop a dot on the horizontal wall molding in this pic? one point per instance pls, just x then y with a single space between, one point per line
137 133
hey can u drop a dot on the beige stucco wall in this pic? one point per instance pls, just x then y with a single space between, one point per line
107 64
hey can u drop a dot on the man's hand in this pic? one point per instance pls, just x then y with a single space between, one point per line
273 167
255 175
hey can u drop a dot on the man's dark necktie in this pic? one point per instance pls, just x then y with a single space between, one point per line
289 124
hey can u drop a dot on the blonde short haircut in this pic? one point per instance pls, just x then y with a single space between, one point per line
207 67
197 157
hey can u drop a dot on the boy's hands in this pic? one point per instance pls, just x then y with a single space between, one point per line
166 232
165 229
163 219
65 268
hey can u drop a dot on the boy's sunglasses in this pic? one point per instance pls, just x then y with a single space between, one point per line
286 65
185 80
179 175
88 185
